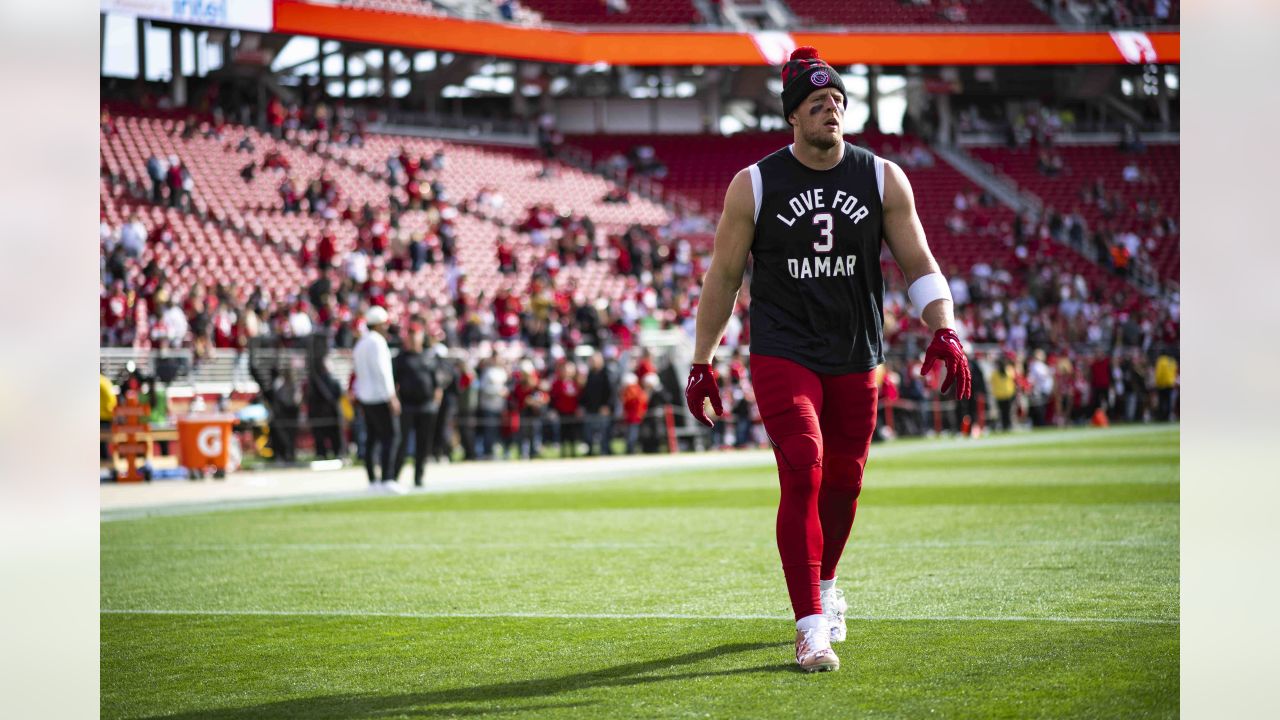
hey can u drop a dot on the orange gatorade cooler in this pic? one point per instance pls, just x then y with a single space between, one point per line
204 441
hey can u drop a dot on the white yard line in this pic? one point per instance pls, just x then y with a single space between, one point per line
623 616
293 487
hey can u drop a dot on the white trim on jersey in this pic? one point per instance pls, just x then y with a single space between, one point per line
757 189
880 177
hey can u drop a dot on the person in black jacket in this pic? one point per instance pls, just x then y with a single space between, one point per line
419 390
283 400
598 397
287 405
448 375
323 401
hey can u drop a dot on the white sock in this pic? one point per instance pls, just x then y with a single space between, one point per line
811 622
825 585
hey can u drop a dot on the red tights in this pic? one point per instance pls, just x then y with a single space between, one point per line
820 426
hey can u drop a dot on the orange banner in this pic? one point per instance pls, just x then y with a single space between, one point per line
678 47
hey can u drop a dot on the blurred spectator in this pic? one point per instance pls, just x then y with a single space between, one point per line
157 171
506 256
420 393
567 419
1100 383
276 115
1134 379
174 324
491 402
531 403
324 396
1050 163
635 404
376 393
106 411
1166 382
743 402
449 378
300 325
598 398
133 237
1040 378
286 410
1004 387
178 180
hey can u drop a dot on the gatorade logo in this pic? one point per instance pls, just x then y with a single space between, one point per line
820 78
210 441
1135 47
775 47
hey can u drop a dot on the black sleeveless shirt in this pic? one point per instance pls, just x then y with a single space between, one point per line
817 293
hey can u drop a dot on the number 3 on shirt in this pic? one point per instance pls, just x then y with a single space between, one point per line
828 240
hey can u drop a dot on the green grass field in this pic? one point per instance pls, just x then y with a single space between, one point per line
1037 579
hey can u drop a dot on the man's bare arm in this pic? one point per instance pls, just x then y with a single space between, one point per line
905 237
728 262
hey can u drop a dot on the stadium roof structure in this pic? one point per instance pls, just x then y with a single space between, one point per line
649 46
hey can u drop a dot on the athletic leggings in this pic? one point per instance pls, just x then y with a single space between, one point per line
820 427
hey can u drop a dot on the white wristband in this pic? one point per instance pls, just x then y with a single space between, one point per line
927 289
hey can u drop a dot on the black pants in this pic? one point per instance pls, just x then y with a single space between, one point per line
570 433
467 432
1037 411
284 435
380 440
1164 408
442 444
420 426
1006 413
488 429
327 435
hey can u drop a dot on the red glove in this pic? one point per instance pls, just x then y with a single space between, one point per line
947 348
702 385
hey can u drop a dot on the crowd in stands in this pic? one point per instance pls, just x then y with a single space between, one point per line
517 364
1125 13
1037 123
1116 206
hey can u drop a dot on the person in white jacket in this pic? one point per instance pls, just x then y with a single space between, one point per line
376 393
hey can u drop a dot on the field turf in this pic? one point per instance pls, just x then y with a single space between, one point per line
1035 579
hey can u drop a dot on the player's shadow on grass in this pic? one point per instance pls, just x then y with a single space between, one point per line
453 702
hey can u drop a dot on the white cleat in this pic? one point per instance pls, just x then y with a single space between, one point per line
813 651
393 487
833 608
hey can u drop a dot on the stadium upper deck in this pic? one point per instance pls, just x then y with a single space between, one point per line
816 13
797 14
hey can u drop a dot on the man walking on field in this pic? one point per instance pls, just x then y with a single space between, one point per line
813 216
